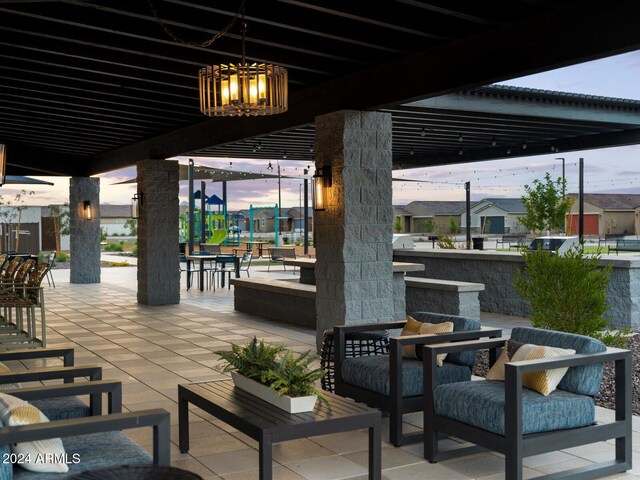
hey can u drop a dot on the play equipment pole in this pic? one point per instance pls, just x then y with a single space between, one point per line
203 215
306 210
192 206
224 203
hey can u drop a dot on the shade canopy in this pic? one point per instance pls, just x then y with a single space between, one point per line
89 87
215 175
21 180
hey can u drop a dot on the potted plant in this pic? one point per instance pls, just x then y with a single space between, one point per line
275 374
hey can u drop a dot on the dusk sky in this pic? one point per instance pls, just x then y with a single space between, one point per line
606 170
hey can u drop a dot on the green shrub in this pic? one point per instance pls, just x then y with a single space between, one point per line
113 247
62 257
446 242
568 293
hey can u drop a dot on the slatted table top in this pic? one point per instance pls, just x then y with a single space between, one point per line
222 399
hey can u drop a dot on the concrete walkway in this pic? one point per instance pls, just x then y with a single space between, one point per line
153 349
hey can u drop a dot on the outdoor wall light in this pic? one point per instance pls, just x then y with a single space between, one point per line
321 183
87 210
136 203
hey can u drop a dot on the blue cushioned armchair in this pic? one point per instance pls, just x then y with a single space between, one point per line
97 441
393 383
518 422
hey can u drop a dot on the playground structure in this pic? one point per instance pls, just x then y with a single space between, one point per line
276 222
219 228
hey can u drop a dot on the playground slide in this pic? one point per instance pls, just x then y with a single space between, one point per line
218 236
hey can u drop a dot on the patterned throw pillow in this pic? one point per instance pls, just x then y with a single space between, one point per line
496 372
43 455
414 327
7 386
543 381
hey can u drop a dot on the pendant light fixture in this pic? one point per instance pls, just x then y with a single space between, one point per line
237 89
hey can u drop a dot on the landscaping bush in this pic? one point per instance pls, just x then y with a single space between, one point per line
568 293
113 247
62 257
446 242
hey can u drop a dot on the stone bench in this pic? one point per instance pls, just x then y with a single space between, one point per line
284 300
443 296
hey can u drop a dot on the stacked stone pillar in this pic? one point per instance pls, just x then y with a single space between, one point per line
85 233
158 250
354 278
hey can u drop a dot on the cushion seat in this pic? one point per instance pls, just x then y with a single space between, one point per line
96 450
62 408
372 372
481 404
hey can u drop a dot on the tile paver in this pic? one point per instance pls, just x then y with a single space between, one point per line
153 349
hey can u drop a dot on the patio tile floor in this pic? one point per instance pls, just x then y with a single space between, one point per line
153 349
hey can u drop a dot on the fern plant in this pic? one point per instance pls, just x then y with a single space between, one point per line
250 360
276 367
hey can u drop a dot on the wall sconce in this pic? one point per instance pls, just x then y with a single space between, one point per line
136 203
321 183
88 213
3 163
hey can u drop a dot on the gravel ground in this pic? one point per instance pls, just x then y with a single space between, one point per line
606 396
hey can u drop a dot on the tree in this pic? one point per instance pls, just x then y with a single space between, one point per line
132 225
545 206
429 226
60 219
453 226
397 225
14 213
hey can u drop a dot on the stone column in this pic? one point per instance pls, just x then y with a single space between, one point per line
85 234
158 250
353 236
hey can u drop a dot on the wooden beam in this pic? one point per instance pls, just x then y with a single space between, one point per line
559 39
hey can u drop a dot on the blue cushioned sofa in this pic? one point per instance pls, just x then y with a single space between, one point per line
393 383
98 441
519 422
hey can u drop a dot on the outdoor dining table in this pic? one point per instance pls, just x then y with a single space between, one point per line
258 244
205 258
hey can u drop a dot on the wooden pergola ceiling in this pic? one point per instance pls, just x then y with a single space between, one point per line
90 86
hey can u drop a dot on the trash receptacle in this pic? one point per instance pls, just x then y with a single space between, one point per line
478 243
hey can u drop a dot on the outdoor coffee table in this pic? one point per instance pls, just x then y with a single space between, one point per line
268 424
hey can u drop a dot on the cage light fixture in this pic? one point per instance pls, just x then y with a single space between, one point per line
237 89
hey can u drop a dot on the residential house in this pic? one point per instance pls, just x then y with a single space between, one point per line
296 216
429 216
606 213
113 219
495 216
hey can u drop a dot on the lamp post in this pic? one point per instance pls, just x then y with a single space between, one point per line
564 188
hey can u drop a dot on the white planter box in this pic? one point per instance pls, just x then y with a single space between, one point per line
289 404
